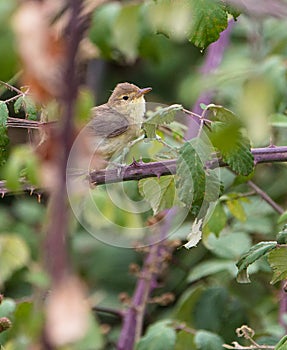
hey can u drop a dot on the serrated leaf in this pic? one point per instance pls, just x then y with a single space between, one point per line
4 114
160 193
222 114
277 259
194 184
159 336
235 148
28 106
14 254
236 209
217 220
211 267
209 20
162 115
255 253
205 340
126 32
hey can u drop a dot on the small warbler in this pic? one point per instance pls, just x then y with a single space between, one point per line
118 121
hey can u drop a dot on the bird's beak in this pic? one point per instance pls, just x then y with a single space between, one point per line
144 91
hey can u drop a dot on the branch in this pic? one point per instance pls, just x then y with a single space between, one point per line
56 254
140 170
266 197
155 263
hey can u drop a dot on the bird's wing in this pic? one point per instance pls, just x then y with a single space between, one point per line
107 122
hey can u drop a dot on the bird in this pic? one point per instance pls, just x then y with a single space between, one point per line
114 124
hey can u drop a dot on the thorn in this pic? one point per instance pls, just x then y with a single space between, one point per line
39 197
135 163
32 191
2 194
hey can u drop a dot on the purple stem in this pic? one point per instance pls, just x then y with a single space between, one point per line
212 61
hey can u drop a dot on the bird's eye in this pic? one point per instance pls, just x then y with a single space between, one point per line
125 97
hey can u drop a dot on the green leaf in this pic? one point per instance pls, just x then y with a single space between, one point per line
217 220
171 18
236 209
162 115
194 184
159 192
4 142
102 24
277 259
222 114
211 267
282 344
209 20
28 106
186 304
4 114
126 32
278 120
282 218
184 340
7 307
255 253
235 148
205 340
159 336
282 235
228 245
14 254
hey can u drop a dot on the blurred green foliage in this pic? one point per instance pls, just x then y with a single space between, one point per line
159 44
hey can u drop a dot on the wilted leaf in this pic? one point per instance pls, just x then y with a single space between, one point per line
277 259
160 116
236 209
195 235
159 336
255 253
208 21
67 312
41 49
14 254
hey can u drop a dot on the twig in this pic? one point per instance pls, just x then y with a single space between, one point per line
266 197
108 310
155 263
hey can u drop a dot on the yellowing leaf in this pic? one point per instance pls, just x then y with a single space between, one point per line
14 254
